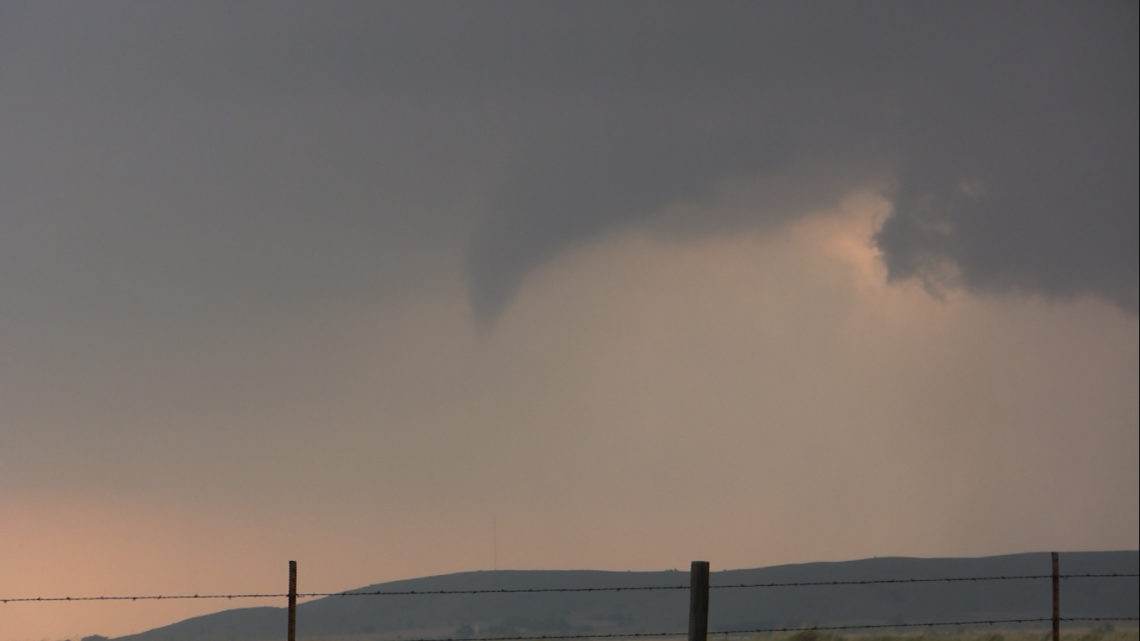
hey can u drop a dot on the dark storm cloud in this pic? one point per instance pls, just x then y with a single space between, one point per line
285 149
1027 180
1010 133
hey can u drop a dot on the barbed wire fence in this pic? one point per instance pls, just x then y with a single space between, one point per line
699 589
632 588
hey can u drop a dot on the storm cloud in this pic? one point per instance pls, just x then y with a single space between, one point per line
1007 133
315 279
1005 136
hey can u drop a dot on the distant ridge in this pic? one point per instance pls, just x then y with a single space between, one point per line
368 618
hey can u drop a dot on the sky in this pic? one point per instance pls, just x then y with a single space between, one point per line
406 288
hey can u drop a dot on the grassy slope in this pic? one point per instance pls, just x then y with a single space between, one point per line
368 618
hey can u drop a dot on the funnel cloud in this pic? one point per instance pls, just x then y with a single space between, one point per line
285 279
1012 158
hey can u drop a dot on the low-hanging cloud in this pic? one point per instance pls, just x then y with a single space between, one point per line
241 238
605 172
1007 134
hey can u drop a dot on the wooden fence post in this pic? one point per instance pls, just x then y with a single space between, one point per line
1056 599
292 601
699 601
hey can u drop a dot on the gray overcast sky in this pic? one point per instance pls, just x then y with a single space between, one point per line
405 268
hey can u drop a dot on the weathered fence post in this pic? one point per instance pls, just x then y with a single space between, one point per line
699 601
292 601
1056 599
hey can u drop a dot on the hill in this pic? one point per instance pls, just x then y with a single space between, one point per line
588 611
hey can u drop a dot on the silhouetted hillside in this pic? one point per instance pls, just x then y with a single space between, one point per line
549 613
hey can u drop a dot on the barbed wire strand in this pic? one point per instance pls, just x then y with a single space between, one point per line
784 584
828 628
632 588
927 624
635 588
960 579
1101 575
142 597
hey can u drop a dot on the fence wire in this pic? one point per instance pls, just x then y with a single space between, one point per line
633 588
142 597
647 588
957 579
820 628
